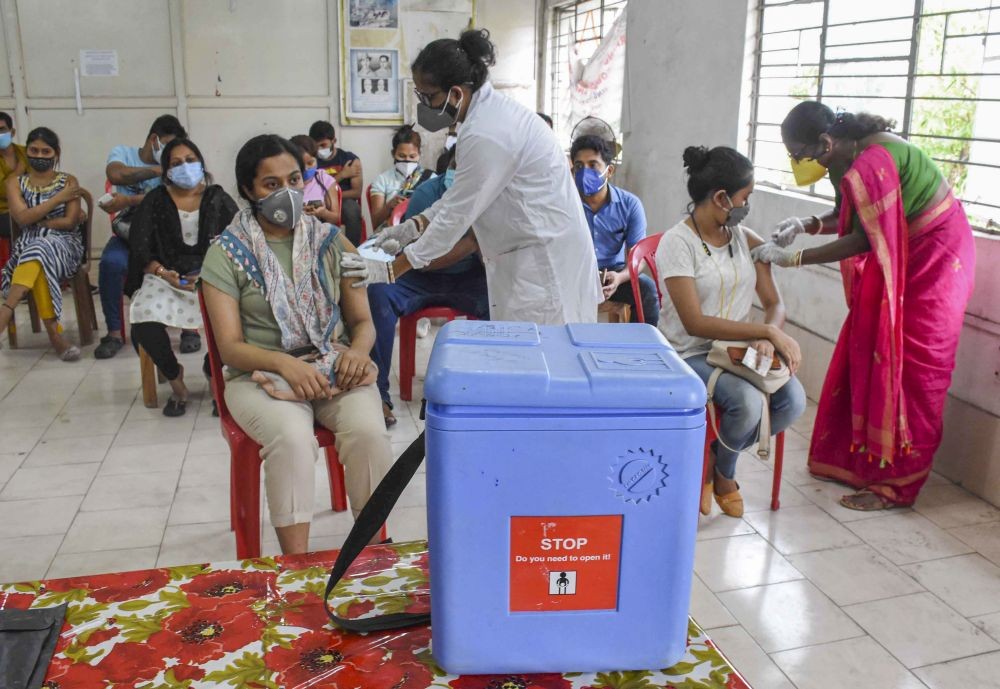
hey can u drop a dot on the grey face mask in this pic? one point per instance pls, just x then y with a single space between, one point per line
737 214
434 120
282 207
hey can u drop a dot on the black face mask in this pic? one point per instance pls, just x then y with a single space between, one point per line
41 164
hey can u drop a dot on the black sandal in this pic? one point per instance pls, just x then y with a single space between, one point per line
190 342
175 407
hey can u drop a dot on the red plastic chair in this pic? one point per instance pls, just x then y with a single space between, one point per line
244 474
398 212
408 343
645 252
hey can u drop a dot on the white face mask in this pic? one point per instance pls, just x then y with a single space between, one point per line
450 141
406 167
324 153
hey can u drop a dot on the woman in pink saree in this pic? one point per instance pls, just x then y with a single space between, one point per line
908 262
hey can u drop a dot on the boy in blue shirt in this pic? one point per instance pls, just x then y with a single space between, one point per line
617 222
134 171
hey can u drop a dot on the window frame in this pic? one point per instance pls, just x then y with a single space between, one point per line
913 72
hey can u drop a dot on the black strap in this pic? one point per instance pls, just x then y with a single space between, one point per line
368 523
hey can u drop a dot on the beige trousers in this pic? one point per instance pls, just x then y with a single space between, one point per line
289 449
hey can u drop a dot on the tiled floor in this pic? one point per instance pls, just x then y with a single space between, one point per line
812 596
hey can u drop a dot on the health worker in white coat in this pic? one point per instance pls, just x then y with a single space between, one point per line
511 187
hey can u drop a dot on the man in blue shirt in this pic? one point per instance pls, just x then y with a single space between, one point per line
134 171
456 280
617 222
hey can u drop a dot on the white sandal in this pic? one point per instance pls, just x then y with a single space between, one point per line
72 353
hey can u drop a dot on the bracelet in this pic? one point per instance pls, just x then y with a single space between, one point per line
819 224
392 273
797 259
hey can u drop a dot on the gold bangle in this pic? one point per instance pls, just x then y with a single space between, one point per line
819 224
392 273
797 261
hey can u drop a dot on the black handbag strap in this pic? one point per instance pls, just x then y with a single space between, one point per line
368 523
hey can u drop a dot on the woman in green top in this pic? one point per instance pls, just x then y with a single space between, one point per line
13 162
295 338
908 261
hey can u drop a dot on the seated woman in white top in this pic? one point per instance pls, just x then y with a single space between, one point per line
394 186
704 262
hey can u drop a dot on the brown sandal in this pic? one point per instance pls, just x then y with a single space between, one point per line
707 491
731 504
390 419
866 506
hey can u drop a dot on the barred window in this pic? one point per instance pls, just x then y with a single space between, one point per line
932 65
576 31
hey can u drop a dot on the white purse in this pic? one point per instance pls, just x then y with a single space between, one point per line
728 356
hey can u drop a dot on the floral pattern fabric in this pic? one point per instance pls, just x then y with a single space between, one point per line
260 624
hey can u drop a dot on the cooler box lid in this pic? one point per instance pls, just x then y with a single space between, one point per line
583 365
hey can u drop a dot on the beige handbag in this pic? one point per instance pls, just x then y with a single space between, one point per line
727 356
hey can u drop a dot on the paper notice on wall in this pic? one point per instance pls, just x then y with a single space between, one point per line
99 63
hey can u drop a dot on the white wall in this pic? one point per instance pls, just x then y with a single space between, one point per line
686 75
228 75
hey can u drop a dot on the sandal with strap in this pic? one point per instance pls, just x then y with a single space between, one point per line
731 504
390 418
175 407
862 503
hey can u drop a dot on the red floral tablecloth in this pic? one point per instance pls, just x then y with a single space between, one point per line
260 624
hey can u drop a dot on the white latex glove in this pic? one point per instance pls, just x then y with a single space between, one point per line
786 231
368 271
776 255
392 239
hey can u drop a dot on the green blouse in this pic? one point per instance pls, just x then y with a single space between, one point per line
919 177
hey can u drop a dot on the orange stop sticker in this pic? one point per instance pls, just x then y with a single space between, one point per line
564 563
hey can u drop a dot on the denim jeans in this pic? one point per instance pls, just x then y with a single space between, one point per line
414 291
647 292
741 405
111 282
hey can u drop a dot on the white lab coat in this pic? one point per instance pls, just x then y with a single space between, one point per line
513 187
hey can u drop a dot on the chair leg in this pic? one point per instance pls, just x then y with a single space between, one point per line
779 459
246 475
121 315
84 301
407 356
147 370
338 492
233 502
626 314
12 331
36 322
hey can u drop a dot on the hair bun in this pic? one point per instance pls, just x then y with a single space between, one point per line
476 44
695 158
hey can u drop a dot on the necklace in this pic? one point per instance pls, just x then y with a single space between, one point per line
724 312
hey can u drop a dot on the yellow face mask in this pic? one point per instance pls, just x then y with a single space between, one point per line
807 171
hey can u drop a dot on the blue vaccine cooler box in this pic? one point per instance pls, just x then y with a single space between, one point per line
563 472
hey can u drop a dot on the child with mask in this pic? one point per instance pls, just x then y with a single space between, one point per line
617 222
710 280
394 186
320 194
171 232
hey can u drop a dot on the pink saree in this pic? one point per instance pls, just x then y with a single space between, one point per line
880 412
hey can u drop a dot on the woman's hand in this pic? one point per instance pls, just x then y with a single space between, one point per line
70 192
305 380
117 204
174 278
351 367
395 201
765 351
787 348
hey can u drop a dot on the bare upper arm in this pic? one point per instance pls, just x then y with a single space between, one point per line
15 202
767 289
224 315
354 302
683 294
114 172
753 239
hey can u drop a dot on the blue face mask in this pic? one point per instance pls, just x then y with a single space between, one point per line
449 178
309 174
5 140
186 175
589 181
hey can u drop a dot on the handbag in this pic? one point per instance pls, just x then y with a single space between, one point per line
122 224
727 357
27 641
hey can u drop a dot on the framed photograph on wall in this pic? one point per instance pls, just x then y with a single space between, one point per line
375 82
374 14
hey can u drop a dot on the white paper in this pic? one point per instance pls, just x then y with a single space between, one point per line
99 63
367 251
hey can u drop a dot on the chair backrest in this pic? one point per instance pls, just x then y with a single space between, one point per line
643 252
398 212
87 225
214 361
